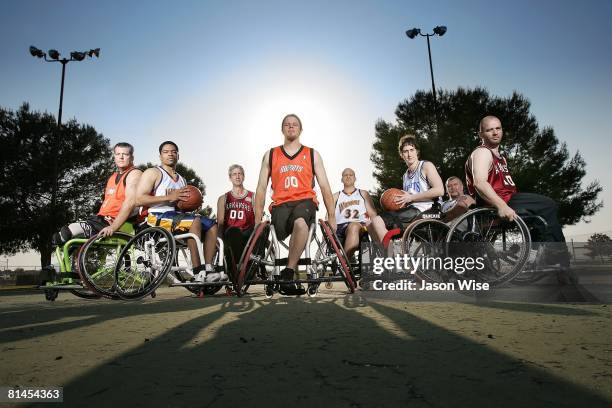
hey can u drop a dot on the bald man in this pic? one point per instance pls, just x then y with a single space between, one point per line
490 182
354 211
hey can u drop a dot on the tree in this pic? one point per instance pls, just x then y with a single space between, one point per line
599 245
538 162
191 177
50 177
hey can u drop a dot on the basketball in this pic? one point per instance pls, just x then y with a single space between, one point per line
193 202
387 197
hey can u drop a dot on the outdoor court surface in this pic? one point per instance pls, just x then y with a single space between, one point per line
340 350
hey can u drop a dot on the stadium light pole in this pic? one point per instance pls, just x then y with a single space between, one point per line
438 30
55 57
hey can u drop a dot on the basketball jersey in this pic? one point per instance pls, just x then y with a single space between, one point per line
499 177
350 207
239 211
114 194
166 182
417 183
292 176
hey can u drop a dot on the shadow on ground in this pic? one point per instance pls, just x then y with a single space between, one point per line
340 352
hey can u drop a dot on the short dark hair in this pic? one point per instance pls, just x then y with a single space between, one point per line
407 140
124 144
292 115
168 142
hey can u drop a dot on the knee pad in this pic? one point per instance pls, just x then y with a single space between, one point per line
64 235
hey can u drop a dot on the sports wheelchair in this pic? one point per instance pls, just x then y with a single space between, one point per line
154 254
260 263
506 247
86 266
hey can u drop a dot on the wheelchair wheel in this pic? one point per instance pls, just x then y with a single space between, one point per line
426 238
334 246
144 263
96 263
503 245
249 267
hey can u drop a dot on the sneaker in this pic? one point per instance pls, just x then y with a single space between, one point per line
289 289
212 276
223 276
171 279
200 277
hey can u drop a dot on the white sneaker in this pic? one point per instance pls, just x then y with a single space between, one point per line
200 277
223 276
171 279
213 277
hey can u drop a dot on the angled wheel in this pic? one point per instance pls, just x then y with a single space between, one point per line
331 240
255 251
503 246
426 238
96 263
144 263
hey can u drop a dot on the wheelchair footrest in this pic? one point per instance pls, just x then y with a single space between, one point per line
317 280
61 287
221 283
301 261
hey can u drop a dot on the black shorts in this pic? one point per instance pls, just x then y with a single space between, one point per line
401 218
341 231
285 214
94 224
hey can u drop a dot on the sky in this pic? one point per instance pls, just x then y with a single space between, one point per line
217 77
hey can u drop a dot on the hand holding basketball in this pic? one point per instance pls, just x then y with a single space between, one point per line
388 199
192 201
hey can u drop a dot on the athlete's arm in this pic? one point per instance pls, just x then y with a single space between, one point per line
131 182
147 183
220 214
436 187
369 204
481 162
262 185
326 192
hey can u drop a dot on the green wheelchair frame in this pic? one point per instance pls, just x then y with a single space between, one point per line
71 275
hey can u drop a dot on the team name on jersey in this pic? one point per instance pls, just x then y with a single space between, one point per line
237 205
415 186
291 167
348 204
501 167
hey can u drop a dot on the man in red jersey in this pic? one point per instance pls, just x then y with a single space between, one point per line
119 200
489 180
292 169
235 215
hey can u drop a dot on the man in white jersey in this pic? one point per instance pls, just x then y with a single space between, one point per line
421 184
354 212
159 189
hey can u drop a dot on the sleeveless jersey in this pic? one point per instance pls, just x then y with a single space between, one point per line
499 177
114 194
292 176
350 207
417 183
239 211
164 184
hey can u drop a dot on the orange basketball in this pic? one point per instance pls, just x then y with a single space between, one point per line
387 199
193 202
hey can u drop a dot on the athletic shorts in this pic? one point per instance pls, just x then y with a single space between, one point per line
285 214
401 218
341 231
178 222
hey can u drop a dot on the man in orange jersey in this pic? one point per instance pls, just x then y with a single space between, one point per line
119 200
292 169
